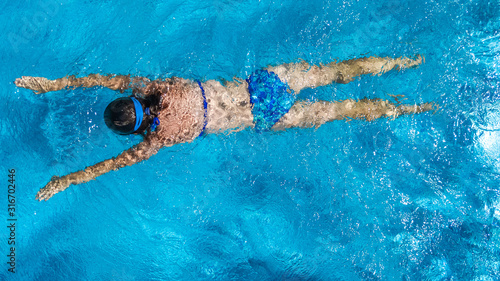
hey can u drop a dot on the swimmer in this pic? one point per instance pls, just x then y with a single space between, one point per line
176 110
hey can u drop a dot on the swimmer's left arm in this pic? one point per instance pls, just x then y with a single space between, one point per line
114 82
136 154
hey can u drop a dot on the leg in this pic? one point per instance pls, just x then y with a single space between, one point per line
303 114
43 85
302 75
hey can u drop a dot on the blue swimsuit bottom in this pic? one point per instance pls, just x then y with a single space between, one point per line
271 99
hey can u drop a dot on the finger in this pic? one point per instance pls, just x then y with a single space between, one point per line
42 194
48 194
45 197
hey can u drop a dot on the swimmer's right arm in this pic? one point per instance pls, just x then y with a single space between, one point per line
136 154
114 82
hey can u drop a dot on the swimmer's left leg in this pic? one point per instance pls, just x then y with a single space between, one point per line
302 75
306 114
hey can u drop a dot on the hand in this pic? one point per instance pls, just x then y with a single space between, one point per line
55 185
33 83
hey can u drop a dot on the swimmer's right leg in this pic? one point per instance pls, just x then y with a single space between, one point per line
114 82
303 75
305 114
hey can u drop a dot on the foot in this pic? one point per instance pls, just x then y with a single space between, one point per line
414 109
408 63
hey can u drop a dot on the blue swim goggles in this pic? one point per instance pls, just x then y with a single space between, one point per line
139 116
156 121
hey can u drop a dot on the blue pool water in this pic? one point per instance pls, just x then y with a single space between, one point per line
415 198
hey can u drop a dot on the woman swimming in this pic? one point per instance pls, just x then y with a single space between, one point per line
177 110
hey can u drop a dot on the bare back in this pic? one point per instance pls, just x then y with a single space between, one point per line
181 115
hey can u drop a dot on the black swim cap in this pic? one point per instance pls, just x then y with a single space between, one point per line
120 116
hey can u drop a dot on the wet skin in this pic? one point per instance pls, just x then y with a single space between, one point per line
182 114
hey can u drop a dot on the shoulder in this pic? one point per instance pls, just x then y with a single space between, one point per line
181 115
170 86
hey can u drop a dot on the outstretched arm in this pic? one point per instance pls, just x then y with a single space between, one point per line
136 154
114 82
